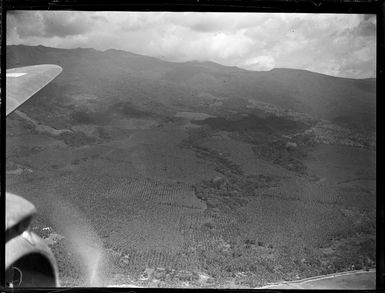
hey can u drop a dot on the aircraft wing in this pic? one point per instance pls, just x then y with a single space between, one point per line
23 82
23 247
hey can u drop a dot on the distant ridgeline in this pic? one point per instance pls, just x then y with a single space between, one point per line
123 76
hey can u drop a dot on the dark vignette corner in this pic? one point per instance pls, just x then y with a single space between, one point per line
380 147
2 139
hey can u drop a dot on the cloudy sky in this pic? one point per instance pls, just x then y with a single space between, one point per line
335 44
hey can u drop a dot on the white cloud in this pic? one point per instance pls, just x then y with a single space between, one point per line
260 63
335 44
227 46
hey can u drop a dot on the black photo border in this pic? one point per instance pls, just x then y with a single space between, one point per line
279 6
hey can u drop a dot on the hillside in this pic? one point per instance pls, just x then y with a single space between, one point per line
121 75
159 174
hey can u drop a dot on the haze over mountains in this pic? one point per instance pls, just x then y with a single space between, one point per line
121 75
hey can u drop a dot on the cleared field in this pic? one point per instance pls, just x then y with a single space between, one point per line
193 115
342 163
156 153
135 123
242 154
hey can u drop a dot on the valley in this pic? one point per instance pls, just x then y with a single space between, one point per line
159 174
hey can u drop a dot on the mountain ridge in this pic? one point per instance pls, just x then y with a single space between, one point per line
195 62
116 73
